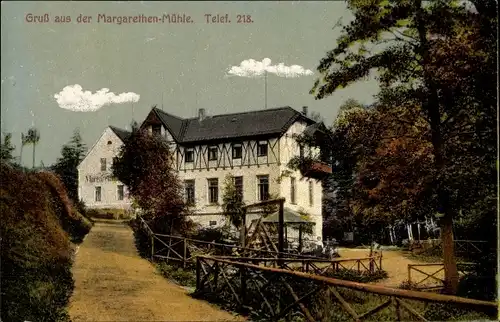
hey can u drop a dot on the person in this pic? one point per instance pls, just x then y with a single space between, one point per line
319 245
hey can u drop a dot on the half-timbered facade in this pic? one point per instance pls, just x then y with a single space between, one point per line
252 147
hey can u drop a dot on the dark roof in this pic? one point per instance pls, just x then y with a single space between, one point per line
122 134
289 216
273 121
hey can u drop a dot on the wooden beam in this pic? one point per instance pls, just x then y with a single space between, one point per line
281 223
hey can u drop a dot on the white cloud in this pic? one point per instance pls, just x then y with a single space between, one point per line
73 98
254 68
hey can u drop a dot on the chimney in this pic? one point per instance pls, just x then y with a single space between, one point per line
304 110
201 114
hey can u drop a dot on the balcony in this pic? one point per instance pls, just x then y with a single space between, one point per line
315 170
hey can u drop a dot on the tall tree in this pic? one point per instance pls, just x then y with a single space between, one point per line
232 204
6 148
24 141
402 41
72 153
32 137
145 166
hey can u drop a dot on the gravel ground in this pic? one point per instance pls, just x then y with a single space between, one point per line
112 283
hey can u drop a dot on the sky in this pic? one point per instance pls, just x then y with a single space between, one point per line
60 76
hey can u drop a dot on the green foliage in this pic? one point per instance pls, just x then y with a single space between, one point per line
145 166
179 275
232 202
6 148
109 213
354 276
428 145
72 153
37 224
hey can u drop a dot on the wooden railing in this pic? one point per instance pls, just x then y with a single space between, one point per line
315 266
273 294
462 247
419 283
184 250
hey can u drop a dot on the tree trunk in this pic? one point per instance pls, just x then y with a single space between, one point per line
451 277
21 156
432 106
34 148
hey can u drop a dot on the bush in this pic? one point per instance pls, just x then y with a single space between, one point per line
37 225
354 276
179 275
109 213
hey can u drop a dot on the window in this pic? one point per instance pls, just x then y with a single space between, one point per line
109 142
212 153
263 187
213 223
189 155
120 192
236 151
189 190
238 184
97 194
103 164
213 191
310 193
156 129
301 153
292 190
262 149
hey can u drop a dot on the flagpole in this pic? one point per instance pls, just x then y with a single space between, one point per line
265 88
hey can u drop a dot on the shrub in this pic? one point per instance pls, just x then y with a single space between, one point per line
354 276
179 275
36 222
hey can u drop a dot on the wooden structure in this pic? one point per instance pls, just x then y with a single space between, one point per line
260 232
184 250
463 248
315 266
281 221
438 284
279 293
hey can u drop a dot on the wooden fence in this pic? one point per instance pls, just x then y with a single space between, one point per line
418 283
463 248
273 294
170 248
315 266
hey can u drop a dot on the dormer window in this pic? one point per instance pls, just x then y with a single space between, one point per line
189 155
212 153
262 149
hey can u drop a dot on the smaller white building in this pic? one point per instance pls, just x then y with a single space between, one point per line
96 185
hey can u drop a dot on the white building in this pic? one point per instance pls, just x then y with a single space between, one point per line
96 186
253 147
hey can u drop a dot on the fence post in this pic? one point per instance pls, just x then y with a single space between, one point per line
243 289
359 262
152 247
184 254
216 275
198 273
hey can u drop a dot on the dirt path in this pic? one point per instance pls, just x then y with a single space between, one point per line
112 283
396 265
